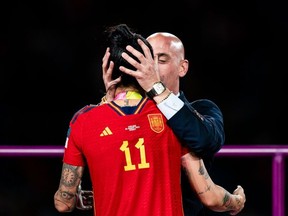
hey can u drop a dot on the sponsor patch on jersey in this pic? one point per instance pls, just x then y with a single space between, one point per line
156 122
132 127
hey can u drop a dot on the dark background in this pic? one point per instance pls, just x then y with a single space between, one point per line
51 53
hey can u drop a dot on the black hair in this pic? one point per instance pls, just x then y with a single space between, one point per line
119 37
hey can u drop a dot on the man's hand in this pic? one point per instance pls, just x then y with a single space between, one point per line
147 70
84 199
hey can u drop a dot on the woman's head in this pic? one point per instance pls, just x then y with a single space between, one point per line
118 37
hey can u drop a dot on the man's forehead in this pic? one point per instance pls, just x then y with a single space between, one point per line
160 46
163 51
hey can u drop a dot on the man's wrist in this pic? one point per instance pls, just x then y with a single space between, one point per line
157 89
169 106
163 96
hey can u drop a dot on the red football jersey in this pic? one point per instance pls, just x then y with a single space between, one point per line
134 160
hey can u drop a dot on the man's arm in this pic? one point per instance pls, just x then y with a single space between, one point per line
210 194
201 131
198 124
65 197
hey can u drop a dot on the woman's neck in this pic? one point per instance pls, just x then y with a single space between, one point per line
127 96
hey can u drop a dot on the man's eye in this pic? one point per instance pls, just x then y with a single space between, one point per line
161 61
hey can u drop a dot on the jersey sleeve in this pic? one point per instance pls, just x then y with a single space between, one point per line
72 152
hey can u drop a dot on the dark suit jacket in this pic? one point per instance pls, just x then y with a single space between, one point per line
199 125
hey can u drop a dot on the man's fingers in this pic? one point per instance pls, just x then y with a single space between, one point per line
145 49
129 59
134 52
129 72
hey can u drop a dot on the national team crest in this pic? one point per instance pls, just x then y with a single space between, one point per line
156 122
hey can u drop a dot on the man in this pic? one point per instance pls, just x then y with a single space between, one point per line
199 124
133 157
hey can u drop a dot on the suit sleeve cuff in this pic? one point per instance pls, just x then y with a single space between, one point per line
170 106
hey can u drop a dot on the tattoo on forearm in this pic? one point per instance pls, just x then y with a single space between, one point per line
66 195
208 188
202 170
69 175
227 201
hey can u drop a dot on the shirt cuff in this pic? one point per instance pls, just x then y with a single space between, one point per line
170 106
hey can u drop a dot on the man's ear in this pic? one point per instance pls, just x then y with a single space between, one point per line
184 65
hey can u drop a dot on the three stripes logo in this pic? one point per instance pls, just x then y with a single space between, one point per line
106 132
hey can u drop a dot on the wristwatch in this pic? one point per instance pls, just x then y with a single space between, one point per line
157 89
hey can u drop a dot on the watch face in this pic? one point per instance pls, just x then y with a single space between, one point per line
159 88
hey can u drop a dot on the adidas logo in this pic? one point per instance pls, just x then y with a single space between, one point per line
106 132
